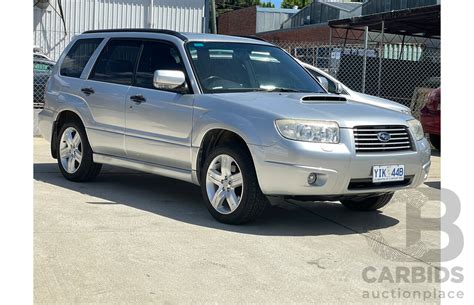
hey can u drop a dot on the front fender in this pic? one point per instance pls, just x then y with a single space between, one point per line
237 124
255 126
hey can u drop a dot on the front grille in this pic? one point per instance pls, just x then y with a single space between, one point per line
367 138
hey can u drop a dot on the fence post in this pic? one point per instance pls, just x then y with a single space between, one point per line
380 59
364 63
330 51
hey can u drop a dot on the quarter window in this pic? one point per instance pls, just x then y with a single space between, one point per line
78 56
117 61
156 56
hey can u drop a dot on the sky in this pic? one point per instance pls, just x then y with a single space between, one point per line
277 3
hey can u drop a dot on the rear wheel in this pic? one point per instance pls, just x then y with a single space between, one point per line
75 154
369 203
436 141
230 187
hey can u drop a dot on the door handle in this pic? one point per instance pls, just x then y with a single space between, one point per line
138 98
87 91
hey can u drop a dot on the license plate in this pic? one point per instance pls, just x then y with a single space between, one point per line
386 173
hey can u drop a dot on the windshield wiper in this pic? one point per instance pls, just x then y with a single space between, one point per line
279 89
241 89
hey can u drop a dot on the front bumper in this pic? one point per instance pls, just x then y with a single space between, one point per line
283 169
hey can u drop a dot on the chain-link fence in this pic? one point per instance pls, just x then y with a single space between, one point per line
399 69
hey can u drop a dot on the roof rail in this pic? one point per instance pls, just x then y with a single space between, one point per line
158 31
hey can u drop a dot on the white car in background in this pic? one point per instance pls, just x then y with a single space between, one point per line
336 87
41 56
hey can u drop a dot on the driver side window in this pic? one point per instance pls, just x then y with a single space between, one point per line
156 55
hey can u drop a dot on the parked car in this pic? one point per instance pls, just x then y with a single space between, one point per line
41 56
332 85
41 72
237 116
430 117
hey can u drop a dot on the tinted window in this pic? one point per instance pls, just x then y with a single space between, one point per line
78 56
117 62
156 56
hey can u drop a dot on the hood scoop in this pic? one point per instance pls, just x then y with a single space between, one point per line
322 98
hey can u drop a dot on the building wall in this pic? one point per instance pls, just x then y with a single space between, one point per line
238 22
319 12
270 19
310 33
318 33
83 15
379 6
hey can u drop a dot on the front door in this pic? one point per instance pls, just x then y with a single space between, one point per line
158 122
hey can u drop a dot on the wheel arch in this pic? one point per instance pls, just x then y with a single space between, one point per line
216 137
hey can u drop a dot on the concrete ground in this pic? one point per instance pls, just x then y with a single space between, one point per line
133 238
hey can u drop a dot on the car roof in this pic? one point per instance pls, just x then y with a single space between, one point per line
185 36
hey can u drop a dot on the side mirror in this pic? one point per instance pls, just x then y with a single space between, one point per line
339 88
324 82
168 79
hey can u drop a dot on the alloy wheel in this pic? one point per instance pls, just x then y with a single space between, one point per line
70 150
224 184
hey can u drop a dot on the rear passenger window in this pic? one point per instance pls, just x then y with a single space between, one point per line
156 56
117 62
78 56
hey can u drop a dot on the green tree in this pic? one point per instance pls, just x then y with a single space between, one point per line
267 4
292 3
223 6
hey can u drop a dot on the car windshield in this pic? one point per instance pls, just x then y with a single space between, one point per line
242 67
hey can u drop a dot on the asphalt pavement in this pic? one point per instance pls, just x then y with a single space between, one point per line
134 238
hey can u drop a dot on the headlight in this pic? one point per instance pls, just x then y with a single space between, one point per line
309 131
416 129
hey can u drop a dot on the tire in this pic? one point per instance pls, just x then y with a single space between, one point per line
436 141
84 168
250 200
368 203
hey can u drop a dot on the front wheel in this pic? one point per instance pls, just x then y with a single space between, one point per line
229 186
369 203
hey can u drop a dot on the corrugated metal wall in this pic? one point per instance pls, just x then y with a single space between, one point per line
83 15
379 6
269 19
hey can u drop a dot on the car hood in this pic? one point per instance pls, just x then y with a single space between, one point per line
379 102
310 106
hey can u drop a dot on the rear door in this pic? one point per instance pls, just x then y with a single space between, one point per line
158 125
105 91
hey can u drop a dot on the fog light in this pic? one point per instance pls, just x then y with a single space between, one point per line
312 178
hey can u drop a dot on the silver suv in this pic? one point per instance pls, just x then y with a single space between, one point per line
237 116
